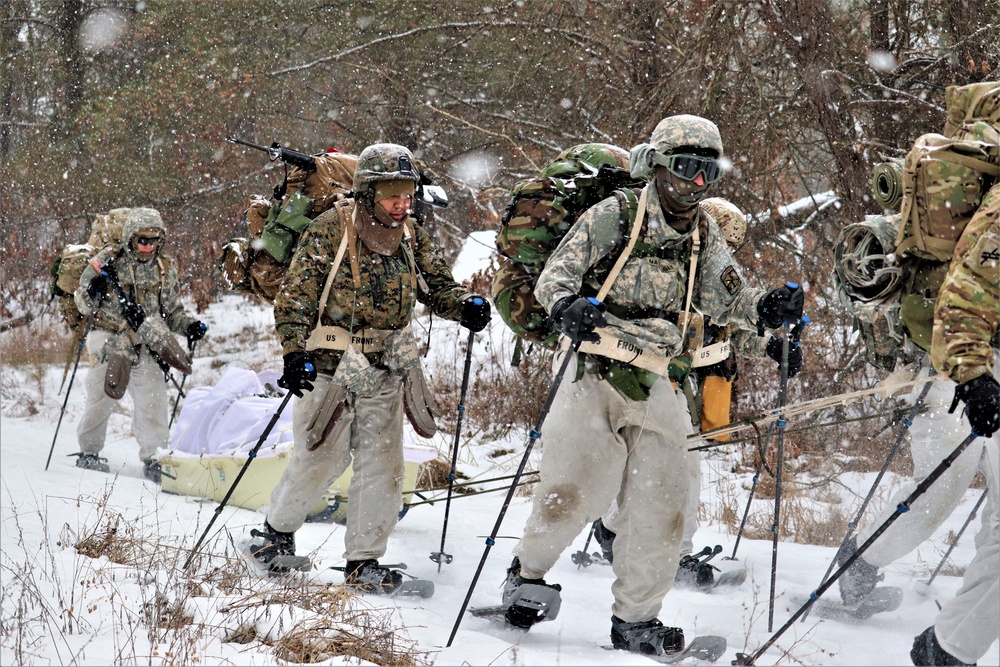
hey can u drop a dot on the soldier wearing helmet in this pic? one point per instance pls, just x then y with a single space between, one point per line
133 291
343 315
676 269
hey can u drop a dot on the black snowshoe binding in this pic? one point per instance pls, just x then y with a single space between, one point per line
606 539
694 570
860 579
370 577
91 462
274 552
529 601
646 637
927 651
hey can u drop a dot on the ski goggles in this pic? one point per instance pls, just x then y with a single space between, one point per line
147 240
687 167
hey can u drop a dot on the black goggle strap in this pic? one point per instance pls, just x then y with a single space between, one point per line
687 166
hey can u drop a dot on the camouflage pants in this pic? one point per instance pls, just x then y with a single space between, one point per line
148 392
599 447
371 432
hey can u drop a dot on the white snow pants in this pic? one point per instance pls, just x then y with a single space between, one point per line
933 436
148 391
371 431
600 446
969 623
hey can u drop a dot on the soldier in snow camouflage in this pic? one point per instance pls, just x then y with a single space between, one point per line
343 315
636 451
129 340
965 348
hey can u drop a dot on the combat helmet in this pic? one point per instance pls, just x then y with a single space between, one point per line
730 219
584 158
383 162
685 130
140 222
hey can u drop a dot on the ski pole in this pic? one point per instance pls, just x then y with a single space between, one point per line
902 508
582 558
440 556
180 390
780 424
79 353
853 525
924 587
535 434
250 457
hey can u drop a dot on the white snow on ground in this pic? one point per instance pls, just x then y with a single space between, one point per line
60 607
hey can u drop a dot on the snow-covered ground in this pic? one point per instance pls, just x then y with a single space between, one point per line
58 606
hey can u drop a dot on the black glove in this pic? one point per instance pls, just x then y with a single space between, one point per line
475 313
577 317
982 404
781 305
773 350
299 373
98 287
196 331
133 314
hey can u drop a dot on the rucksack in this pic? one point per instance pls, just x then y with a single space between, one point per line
890 268
256 264
540 212
69 263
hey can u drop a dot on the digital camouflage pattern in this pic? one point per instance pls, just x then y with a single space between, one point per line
386 296
943 185
966 314
152 284
686 130
651 288
383 162
540 212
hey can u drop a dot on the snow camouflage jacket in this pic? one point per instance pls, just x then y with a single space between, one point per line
967 312
152 284
649 289
385 299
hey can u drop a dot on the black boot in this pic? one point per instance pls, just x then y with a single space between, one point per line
370 577
529 601
606 538
860 579
693 572
92 462
927 651
274 551
152 471
646 637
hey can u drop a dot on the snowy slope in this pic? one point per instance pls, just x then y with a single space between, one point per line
60 607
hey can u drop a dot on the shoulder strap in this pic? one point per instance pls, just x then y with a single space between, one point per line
333 270
640 216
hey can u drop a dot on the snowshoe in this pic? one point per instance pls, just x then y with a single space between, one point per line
91 462
880 600
368 576
694 570
646 637
273 552
528 601
860 579
706 648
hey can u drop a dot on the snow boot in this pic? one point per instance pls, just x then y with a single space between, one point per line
529 601
151 470
606 539
370 577
927 651
274 551
646 637
692 572
91 462
860 579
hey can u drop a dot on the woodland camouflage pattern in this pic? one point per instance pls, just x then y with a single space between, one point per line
685 130
385 300
650 288
966 314
380 162
153 284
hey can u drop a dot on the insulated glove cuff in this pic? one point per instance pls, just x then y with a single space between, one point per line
299 372
577 317
773 351
475 313
982 404
781 305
